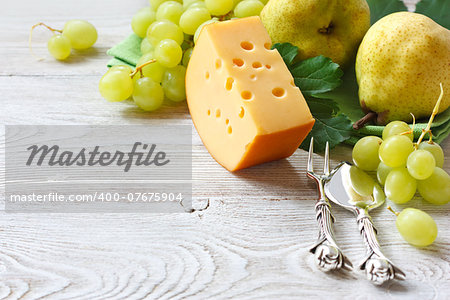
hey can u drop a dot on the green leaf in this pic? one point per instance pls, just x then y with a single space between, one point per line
334 130
323 108
346 96
381 8
438 10
287 51
316 75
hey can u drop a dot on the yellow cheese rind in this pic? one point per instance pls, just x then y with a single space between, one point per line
242 98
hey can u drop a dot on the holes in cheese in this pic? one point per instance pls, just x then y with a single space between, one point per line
247 45
218 63
229 83
241 112
246 95
207 75
257 65
278 92
259 115
238 62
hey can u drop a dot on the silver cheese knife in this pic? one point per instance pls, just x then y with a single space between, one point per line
351 188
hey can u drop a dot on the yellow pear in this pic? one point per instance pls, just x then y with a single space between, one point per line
332 28
400 63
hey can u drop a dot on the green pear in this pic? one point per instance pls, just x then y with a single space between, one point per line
400 63
332 28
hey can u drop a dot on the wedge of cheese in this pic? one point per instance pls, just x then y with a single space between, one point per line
241 96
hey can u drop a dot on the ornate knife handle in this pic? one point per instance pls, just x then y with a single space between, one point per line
378 268
327 254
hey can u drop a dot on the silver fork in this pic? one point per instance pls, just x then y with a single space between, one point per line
327 253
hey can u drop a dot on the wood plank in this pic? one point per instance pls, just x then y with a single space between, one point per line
252 240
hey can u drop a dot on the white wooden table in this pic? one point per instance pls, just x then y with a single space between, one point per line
251 243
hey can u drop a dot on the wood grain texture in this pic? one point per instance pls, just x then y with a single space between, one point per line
250 243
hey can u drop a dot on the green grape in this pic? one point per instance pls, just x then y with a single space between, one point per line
168 53
400 187
146 46
199 29
188 3
192 18
187 43
420 164
123 68
156 3
116 85
82 34
394 150
417 227
382 173
148 94
236 2
365 152
434 149
142 20
155 70
164 29
187 56
436 188
198 4
362 183
219 7
173 83
397 127
59 46
170 10
248 8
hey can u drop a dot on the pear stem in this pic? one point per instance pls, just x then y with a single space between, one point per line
370 116
433 114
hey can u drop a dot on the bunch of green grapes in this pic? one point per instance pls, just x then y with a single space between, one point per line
404 167
76 34
169 30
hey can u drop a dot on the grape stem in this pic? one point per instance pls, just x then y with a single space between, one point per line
139 68
433 114
413 125
393 211
31 36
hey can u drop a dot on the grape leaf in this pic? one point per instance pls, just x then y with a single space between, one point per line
334 130
438 10
316 75
287 51
381 8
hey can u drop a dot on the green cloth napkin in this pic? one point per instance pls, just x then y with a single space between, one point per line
128 52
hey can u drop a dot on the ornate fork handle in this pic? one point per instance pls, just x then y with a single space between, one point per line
327 253
378 268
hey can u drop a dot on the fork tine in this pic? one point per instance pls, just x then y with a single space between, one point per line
326 165
310 154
